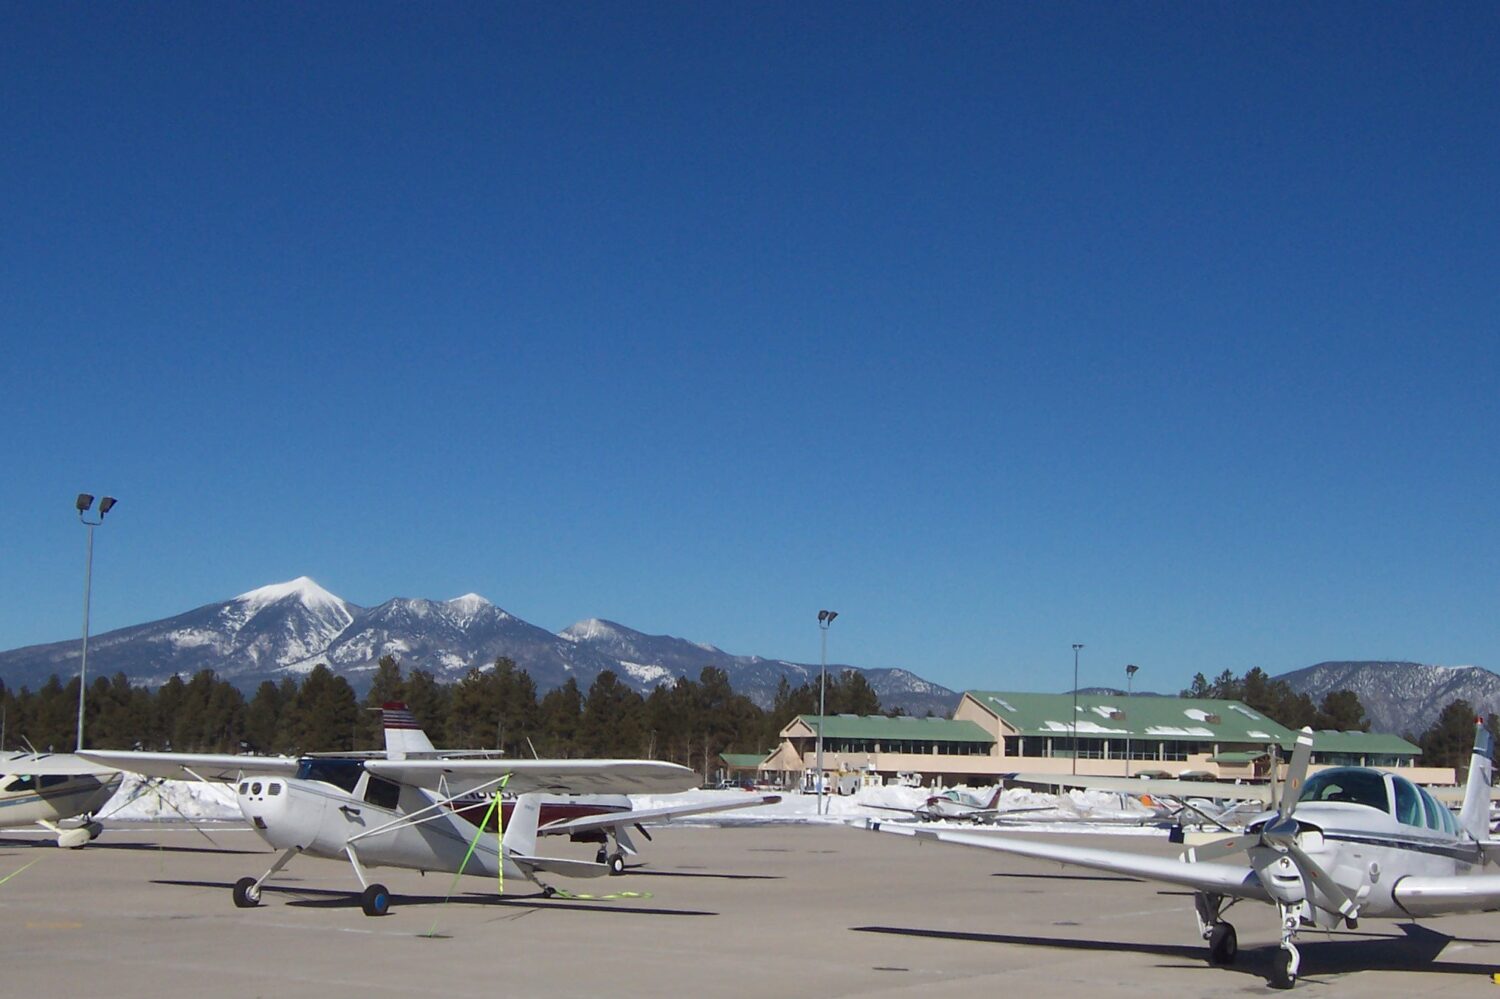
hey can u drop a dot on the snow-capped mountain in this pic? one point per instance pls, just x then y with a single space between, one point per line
287 628
1399 696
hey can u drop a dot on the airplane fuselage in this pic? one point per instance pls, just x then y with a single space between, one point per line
322 819
27 799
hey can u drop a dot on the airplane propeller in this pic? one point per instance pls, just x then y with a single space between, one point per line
1280 834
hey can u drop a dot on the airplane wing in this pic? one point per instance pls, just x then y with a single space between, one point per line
566 776
1163 787
557 865
1434 896
637 816
44 764
225 767
1223 879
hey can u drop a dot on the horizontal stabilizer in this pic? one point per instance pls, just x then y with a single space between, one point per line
558 865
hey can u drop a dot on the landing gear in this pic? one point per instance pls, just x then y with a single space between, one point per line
246 893
617 863
375 900
1289 960
94 829
1223 945
602 857
1284 969
247 890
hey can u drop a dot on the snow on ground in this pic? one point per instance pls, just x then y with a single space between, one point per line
1077 811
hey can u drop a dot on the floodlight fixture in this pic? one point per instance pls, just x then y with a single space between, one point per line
85 500
107 504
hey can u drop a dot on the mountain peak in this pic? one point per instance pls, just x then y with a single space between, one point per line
303 588
594 629
470 602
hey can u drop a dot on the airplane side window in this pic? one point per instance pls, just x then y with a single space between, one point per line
1432 809
382 793
1408 805
1350 786
52 780
22 782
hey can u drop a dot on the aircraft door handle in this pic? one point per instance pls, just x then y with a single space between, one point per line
349 812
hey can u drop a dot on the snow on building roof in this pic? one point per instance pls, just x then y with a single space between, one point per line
904 728
1187 719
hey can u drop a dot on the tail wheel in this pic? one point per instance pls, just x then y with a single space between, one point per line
375 900
246 895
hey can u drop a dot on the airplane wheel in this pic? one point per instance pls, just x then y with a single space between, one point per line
94 829
548 891
1281 971
1223 945
246 895
602 857
375 901
617 864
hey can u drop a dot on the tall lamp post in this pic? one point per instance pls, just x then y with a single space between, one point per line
84 503
1076 647
825 618
1130 672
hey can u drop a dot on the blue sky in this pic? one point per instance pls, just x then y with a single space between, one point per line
1167 329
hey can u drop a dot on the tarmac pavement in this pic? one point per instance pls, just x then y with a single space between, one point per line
739 911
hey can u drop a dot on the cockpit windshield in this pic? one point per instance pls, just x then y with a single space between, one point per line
1348 784
339 773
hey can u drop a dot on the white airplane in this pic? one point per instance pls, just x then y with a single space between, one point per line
583 818
58 791
958 805
421 811
1346 844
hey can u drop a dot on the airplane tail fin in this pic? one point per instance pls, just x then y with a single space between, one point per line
520 831
1475 815
403 736
995 798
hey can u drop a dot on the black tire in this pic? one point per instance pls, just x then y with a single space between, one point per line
602 857
1223 945
1281 970
246 895
94 830
617 864
375 900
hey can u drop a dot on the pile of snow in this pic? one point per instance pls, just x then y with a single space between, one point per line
140 800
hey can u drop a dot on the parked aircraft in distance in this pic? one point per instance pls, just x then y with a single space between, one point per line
1347 843
60 792
955 804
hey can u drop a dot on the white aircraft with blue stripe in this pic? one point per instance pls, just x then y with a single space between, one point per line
1348 843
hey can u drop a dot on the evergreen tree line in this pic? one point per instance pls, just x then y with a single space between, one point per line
689 722
1447 743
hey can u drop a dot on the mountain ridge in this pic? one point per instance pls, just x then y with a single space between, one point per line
285 629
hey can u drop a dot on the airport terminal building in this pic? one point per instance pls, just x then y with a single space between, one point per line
993 733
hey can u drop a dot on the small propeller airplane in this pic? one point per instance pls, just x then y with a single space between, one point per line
60 792
419 809
958 805
1345 844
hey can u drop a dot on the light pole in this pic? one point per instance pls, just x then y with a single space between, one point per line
84 502
825 618
1076 647
1130 671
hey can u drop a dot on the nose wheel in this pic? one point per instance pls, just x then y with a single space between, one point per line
1288 960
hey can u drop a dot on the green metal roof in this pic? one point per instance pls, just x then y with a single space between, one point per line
880 727
1371 743
743 761
1246 756
1166 719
